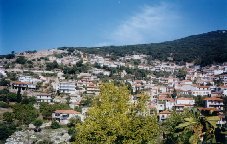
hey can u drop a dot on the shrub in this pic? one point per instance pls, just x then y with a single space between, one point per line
38 122
55 125
4 105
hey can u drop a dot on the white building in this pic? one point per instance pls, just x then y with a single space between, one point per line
182 103
185 101
2 72
63 116
160 107
44 98
201 90
169 103
67 87
29 79
92 89
218 72
23 85
214 102
225 92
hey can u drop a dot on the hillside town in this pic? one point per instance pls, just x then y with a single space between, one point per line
72 78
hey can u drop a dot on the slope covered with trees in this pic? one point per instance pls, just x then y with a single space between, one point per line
203 49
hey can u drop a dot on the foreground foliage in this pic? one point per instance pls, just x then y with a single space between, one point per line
190 127
113 119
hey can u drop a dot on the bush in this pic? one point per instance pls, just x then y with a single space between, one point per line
38 122
4 105
6 129
8 117
28 100
4 82
21 60
55 125
52 66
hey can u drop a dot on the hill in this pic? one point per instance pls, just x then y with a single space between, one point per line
202 49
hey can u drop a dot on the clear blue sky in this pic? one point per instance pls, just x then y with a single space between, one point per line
44 24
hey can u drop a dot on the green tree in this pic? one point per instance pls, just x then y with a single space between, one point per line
199 102
86 101
52 66
8 117
78 108
12 76
25 113
11 97
21 60
55 125
37 122
202 128
189 127
74 121
181 74
6 129
71 125
28 100
169 128
113 119
19 97
4 82
4 105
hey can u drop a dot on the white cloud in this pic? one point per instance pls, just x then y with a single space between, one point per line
151 24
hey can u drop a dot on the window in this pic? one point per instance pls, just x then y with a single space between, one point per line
57 114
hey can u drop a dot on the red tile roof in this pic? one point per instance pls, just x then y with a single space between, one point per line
67 112
18 82
208 109
165 112
184 98
182 105
213 99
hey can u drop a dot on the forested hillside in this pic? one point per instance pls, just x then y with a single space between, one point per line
203 49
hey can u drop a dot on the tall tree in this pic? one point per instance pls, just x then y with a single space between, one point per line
24 113
19 97
114 119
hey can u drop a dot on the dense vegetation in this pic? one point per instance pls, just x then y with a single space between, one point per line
203 49
113 120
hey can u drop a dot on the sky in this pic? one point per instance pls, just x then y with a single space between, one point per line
45 24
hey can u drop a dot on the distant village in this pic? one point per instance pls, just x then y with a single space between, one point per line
58 76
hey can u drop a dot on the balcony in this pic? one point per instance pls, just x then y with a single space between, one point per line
216 104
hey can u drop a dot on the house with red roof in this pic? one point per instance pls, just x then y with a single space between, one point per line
183 102
164 115
63 116
214 102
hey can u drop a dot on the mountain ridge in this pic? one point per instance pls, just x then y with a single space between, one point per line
203 49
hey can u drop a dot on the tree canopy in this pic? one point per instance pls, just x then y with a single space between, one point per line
24 113
114 119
